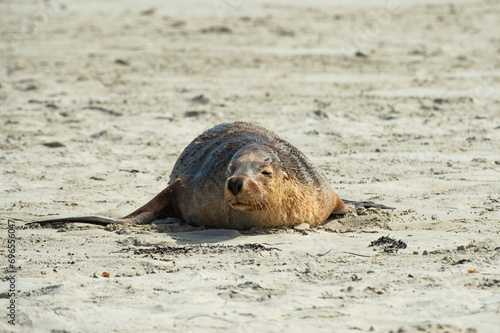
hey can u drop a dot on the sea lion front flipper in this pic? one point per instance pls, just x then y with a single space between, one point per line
162 206
97 220
365 204
340 207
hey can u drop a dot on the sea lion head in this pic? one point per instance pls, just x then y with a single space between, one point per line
252 175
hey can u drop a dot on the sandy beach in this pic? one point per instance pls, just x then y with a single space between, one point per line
397 102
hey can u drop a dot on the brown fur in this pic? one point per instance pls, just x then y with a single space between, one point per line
278 185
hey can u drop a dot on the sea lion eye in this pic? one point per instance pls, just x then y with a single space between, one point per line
266 172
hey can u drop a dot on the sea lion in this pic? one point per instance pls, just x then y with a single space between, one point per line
238 176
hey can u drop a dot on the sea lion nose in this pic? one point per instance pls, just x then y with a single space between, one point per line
235 184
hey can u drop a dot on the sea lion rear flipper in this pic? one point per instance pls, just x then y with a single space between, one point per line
365 204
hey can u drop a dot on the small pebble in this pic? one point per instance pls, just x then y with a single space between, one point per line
301 226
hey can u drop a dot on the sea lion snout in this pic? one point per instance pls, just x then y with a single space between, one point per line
235 184
243 193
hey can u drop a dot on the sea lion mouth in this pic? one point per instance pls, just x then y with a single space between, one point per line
243 206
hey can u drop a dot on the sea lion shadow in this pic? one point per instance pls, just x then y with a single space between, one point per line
184 234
